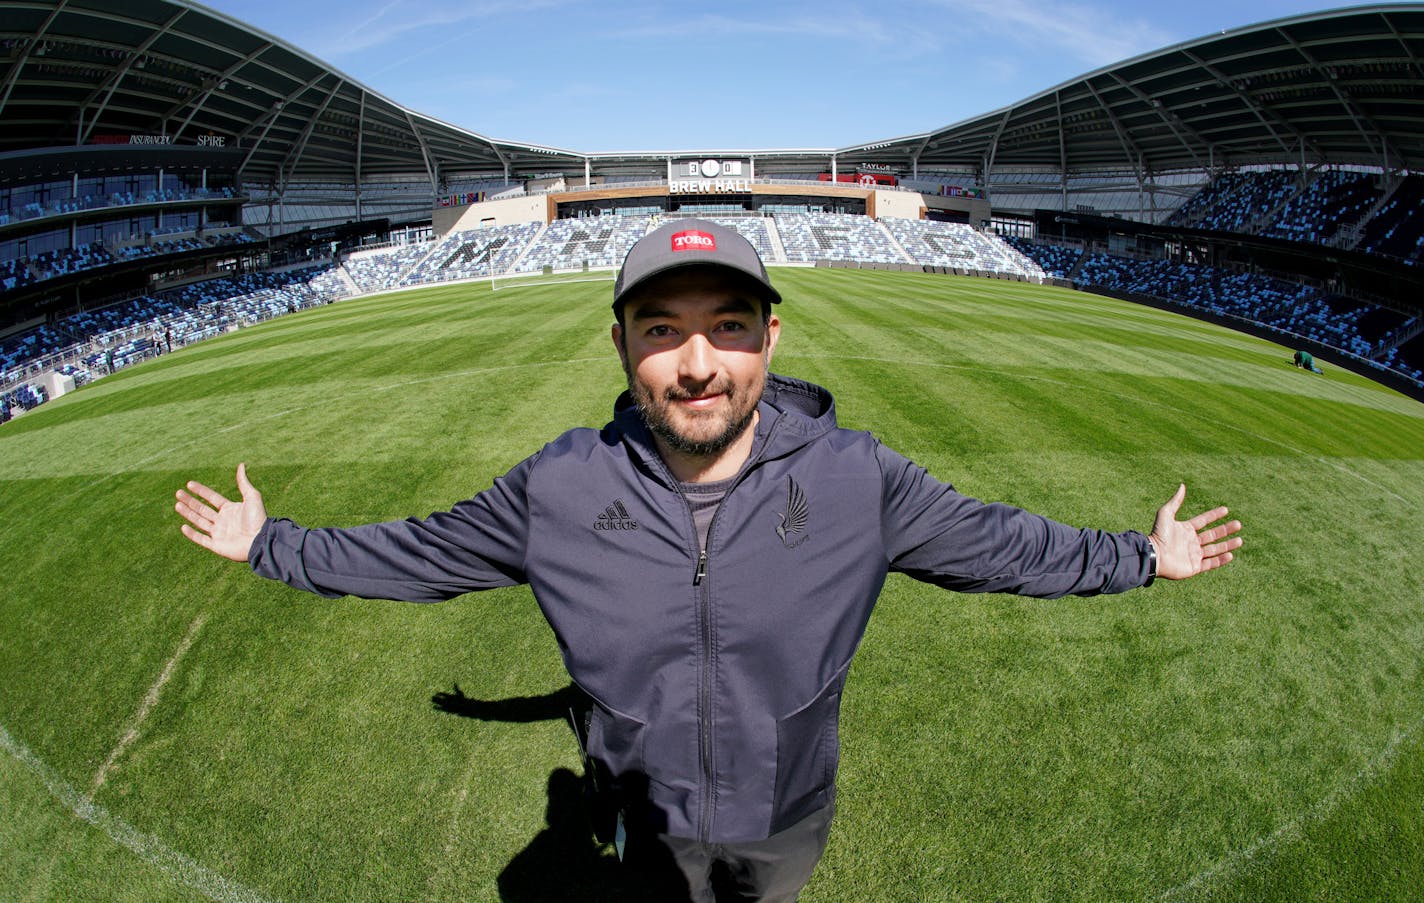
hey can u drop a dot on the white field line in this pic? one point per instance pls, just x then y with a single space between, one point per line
1252 858
147 847
511 285
453 831
1316 812
150 699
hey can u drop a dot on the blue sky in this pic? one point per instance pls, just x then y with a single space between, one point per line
606 76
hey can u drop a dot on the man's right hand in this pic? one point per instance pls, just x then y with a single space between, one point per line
219 524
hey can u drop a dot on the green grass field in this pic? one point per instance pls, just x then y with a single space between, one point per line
172 727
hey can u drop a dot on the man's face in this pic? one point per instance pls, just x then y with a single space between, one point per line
696 352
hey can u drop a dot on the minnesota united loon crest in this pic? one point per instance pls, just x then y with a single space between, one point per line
792 528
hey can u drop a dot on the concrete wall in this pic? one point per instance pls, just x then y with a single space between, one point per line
899 204
57 384
508 212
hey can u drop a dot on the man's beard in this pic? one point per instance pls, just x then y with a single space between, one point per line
658 417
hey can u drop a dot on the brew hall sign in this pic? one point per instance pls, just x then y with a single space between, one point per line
710 177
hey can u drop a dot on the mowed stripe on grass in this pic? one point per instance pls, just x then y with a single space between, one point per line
994 748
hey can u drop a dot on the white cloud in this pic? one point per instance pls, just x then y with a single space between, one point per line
398 18
823 25
1090 34
486 86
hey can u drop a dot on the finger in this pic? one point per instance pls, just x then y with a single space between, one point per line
1219 531
184 496
211 496
1175 502
196 507
195 517
190 507
1215 549
1221 548
1206 517
1215 562
244 485
201 539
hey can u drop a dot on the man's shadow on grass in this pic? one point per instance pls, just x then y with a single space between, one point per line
565 861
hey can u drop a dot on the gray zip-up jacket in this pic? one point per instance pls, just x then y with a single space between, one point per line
716 675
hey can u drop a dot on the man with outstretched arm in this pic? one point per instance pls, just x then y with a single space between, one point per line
708 561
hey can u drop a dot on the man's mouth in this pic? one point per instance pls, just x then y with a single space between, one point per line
697 401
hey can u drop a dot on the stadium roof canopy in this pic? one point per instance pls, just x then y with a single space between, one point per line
1344 86
78 72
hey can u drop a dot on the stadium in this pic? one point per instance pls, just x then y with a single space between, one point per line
215 247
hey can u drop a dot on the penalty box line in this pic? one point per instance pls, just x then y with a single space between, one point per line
150 699
512 284
178 867
1253 858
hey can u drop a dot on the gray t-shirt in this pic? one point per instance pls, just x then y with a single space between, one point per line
705 497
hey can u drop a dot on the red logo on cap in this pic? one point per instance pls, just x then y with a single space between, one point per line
693 240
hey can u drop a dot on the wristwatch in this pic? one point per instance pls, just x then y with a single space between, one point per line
1151 561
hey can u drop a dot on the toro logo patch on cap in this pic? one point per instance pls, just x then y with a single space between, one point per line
693 240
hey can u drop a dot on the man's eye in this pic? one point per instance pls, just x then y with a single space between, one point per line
660 330
732 326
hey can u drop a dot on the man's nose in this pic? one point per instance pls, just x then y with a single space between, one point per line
697 361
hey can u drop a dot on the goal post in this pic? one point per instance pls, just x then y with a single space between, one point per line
547 276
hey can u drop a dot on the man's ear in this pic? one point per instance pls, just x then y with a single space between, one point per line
773 333
617 336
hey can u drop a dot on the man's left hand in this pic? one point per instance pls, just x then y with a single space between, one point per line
1185 548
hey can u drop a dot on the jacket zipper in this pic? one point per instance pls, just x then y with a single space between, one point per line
704 723
704 689
704 625
704 638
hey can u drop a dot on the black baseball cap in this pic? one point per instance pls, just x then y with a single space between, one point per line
687 243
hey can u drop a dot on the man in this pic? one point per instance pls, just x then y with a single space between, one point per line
1306 360
708 562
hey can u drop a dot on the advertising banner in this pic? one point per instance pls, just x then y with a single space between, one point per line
865 179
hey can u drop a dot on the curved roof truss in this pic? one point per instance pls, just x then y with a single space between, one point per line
1344 86
77 71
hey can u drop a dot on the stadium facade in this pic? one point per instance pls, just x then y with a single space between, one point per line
155 145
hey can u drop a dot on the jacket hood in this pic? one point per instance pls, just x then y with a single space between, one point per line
793 411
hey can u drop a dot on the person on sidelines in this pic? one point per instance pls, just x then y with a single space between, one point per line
708 562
